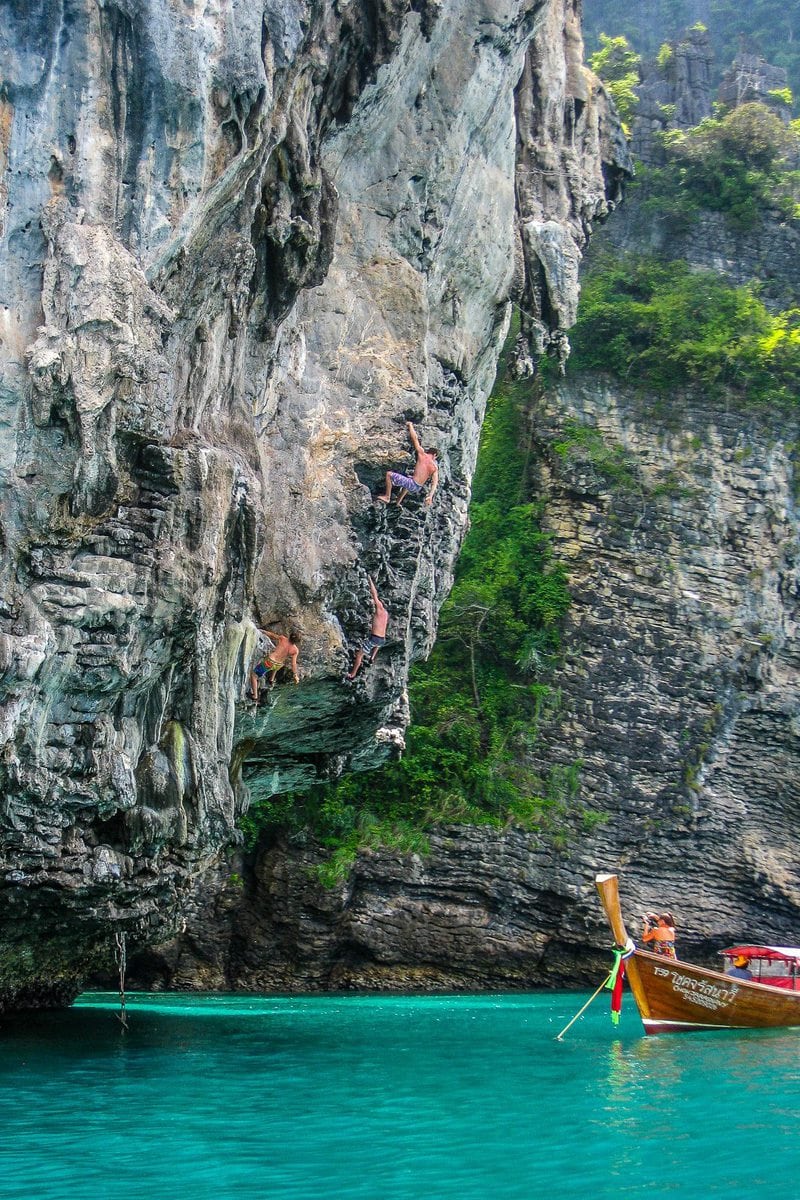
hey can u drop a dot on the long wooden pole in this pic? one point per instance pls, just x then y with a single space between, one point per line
581 1011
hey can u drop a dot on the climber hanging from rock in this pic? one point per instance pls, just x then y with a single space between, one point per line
377 635
278 652
426 469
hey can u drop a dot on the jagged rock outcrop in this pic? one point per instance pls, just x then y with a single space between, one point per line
240 248
675 92
555 197
751 78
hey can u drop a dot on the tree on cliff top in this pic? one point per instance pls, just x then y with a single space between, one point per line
663 326
740 164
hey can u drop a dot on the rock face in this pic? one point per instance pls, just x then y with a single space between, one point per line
673 94
678 708
240 247
676 711
484 910
679 695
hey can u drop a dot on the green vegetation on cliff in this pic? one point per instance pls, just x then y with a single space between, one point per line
478 701
661 325
741 164
618 66
658 323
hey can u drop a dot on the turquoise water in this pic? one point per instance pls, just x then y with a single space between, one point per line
389 1098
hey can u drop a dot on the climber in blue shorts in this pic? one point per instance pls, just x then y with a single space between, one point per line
425 470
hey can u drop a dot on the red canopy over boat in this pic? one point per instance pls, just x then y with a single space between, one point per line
787 954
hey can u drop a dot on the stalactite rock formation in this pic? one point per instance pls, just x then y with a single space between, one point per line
241 247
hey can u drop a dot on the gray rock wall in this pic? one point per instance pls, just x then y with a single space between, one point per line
676 708
673 94
680 526
239 248
675 712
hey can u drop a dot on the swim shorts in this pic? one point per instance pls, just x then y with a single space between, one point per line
405 481
266 665
372 642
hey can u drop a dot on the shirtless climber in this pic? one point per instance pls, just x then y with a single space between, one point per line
426 468
283 653
377 636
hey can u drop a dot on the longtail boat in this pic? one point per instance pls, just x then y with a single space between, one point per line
676 997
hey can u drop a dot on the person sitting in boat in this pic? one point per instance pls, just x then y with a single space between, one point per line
660 930
740 968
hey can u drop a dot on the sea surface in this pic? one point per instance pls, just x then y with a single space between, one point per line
389 1098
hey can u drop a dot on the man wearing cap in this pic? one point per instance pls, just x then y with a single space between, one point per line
740 968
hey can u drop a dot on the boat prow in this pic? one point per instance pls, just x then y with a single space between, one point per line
677 997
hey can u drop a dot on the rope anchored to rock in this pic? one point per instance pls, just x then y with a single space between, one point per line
121 957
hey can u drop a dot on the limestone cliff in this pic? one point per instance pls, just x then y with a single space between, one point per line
677 700
240 246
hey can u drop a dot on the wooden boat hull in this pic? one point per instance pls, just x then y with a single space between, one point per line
677 997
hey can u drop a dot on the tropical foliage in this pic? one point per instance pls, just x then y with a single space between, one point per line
618 66
741 164
661 325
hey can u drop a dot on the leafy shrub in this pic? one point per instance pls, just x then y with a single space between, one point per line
738 164
618 66
659 324
784 95
665 55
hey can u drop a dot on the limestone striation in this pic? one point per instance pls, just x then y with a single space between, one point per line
240 246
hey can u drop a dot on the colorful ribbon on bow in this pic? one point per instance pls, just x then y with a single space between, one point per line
616 977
